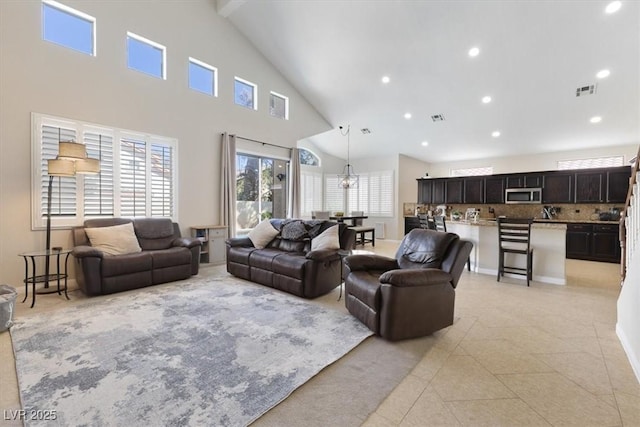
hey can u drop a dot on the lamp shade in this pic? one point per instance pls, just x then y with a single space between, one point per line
87 166
71 150
61 167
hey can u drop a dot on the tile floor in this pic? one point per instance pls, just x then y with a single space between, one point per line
515 356
518 356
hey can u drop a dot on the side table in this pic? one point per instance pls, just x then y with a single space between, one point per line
48 276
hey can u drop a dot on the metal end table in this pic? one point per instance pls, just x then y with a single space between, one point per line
48 276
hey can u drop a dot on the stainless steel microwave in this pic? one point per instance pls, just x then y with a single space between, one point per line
523 195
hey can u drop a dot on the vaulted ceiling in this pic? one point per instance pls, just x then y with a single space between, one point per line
533 56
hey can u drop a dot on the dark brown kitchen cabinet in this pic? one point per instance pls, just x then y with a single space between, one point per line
558 188
425 188
618 184
578 241
590 187
521 180
494 190
593 242
474 190
454 189
438 191
605 243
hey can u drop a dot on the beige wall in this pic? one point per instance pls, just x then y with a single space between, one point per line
38 76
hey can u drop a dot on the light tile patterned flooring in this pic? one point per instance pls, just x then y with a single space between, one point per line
518 356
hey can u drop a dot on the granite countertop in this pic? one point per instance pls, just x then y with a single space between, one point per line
538 221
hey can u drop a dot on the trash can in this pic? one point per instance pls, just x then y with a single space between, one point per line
8 296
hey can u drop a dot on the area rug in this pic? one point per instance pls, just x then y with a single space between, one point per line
206 352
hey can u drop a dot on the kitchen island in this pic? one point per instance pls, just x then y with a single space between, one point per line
547 239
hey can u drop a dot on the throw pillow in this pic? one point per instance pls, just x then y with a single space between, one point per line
114 240
262 234
328 239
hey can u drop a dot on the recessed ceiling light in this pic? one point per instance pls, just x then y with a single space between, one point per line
473 52
486 99
595 119
603 73
613 7
385 79
425 143
407 116
495 133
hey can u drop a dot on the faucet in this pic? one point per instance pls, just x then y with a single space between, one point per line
548 212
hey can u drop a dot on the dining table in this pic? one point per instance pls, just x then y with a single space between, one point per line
351 218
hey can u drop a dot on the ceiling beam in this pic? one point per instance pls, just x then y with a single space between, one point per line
226 7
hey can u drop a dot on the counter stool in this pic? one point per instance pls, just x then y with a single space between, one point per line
514 237
440 224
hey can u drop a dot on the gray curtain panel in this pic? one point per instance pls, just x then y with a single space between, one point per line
293 210
228 183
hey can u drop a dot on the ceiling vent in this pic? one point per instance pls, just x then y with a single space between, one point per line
365 131
586 90
438 118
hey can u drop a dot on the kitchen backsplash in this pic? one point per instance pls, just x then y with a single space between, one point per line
568 212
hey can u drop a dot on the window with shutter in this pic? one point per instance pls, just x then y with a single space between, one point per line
98 189
311 192
137 174
333 194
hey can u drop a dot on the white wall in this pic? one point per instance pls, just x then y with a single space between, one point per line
409 169
628 325
533 162
39 76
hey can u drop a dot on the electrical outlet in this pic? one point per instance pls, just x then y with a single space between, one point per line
577 210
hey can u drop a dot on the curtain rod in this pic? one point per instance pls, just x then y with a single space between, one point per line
262 142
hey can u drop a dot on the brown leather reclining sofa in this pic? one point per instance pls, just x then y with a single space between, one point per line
165 257
287 263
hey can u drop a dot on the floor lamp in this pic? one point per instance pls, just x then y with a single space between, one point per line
71 160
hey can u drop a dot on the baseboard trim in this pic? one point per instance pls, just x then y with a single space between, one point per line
543 279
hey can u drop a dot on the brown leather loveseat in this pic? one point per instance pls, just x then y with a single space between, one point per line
412 295
287 262
161 255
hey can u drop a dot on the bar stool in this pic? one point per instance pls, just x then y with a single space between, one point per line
514 237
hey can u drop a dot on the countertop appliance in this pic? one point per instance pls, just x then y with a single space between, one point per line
523 195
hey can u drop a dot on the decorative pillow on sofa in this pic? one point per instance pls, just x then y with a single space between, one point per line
114 240
262 234
328 239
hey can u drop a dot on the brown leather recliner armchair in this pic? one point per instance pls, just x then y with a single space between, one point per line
412 295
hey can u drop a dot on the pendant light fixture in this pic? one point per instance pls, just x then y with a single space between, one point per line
348 179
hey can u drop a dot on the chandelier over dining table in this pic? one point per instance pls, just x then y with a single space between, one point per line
348 178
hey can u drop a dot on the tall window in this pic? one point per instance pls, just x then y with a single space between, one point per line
203 77
261 190
137 173
279 106
245 93
374 194
333 194
68 27
146 56
310 192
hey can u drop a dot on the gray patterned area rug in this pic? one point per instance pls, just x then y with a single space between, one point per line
216 352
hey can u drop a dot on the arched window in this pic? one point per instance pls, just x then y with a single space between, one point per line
308 158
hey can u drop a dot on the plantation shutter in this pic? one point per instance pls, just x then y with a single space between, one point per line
162 160
311 189
133 178
99 189
381 193
358 197
333 194
63 193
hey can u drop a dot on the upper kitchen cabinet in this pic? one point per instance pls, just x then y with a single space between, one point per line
454 189
474 189
438 191
618 184
425 189
494 189
558 187
522 180
590 187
